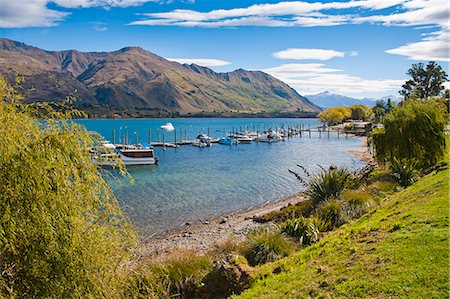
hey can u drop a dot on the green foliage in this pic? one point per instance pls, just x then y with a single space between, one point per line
380 110
302 229
62 233
266 245
361 112
404 171
426 81
302 208
330 215
356 203
334 115
327 184
414 130
177 275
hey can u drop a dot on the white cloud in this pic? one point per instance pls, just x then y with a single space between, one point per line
434 47
35 13
417 13
353 53
313 78
201 61
303 54
32 13
99 3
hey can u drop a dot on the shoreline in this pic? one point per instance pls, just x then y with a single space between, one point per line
203 235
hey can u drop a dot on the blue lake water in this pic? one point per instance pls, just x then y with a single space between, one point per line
191 183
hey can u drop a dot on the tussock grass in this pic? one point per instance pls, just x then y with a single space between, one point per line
303 208
304 230
266 245
327 184
178 275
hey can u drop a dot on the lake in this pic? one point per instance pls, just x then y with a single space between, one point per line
191 184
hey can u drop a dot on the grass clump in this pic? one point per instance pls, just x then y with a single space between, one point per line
266 245
327 184
302 229
330 215
178 275
303 208
356 203
404 171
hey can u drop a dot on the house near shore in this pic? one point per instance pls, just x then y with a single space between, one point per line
357 124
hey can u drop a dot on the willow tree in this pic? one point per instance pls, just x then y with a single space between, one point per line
414 130
334 115
62 233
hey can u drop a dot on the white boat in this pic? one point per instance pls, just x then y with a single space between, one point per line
270 137
107 154
138 156
243 139
168 127
202 140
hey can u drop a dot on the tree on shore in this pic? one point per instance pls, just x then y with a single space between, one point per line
334 115
414 130
380 110
361 112
62 233
426 81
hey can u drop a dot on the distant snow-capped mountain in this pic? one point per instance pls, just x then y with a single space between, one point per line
327 99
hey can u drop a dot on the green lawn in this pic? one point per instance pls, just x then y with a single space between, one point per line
401 249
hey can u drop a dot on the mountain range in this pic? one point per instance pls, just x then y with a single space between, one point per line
134 80
327 99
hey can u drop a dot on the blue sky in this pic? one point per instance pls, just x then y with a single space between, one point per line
360 48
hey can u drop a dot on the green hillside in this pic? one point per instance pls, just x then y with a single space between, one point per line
401 249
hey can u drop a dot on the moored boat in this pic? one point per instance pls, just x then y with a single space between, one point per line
108 154
202 140
226 140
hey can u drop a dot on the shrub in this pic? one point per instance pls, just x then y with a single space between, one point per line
327 184
330 214
361 112
413 130
62 233
302 208
177 275
404 171
302 229
356 203
266 245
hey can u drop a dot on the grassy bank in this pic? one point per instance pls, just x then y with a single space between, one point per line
400 249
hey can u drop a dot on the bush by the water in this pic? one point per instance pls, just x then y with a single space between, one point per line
62 233
302 229
413 130
178 275
266 245
356 203
330 214
327 184
302 208
404 171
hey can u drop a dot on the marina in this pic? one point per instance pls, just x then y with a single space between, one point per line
191 184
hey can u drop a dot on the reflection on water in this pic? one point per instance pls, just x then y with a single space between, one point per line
193 183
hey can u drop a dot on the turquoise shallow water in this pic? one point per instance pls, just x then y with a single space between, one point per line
190 183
